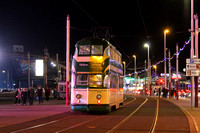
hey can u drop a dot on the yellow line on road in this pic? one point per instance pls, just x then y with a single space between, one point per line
156 117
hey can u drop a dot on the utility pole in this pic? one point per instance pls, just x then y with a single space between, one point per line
67 58
57 65
29 70
197 56
169 74
145 75
45 63
192 50
177 71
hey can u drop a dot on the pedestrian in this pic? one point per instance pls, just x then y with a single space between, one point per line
55 93
159 92
18 96
24 96
47 93
31 95
39 94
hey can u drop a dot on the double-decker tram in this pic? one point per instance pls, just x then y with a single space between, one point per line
97 76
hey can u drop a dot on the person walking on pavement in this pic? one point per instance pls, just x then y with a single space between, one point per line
159 92
55 93
47 93
17 96
24 96
30 95
39 93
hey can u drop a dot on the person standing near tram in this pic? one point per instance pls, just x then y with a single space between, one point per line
39 94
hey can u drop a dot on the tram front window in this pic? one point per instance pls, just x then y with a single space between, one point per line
95 80
82 79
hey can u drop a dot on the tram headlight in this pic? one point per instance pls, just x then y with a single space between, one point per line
78 96
98 96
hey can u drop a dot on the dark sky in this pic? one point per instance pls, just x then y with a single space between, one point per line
39 23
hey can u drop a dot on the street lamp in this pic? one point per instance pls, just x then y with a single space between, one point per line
155 67
124 68
124 73
134 56
147 45
165 69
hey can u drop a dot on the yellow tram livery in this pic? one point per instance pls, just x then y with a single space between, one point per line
97 76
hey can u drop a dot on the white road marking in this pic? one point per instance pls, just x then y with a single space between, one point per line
65 129
40 125
110 131
130 101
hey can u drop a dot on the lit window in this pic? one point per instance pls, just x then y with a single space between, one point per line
82 79
97 49
84 50
95 80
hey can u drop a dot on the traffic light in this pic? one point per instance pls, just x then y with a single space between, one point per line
161 81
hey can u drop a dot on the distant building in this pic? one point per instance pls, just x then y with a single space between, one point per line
18 49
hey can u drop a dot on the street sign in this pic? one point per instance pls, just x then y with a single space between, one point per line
191 66
192 72
196 61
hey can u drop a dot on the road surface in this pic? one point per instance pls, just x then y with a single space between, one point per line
139 114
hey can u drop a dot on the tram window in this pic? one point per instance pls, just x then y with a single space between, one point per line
84 49
106 81
82 79
97 49
95 80
121 82
113 81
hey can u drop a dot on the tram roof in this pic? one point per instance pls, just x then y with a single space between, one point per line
95 41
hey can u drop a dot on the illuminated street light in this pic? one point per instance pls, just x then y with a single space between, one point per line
155 67
124 73
165 68
134 56
147 45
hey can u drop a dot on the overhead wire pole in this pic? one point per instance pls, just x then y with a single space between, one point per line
169 73
197 56
177 83
67 58
192 50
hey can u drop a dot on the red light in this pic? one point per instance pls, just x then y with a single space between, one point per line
78 101
99 101
121 90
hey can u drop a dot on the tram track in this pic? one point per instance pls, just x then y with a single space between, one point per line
112 122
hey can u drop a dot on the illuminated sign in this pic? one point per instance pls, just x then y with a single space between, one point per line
83 64
39 67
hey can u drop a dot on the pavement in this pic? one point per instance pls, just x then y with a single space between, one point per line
193 113
13 114
16 113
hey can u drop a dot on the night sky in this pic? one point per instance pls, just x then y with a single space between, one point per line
37 24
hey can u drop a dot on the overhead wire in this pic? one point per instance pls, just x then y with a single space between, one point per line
99 26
